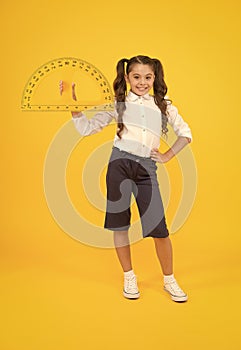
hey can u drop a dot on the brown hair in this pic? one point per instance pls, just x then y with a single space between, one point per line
159 88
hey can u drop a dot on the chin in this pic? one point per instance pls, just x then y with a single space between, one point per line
141 93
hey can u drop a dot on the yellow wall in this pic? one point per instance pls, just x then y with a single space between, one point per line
57 293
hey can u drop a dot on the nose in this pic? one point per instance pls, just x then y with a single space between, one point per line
142 81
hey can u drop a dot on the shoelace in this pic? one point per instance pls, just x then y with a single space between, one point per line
131 283
175 287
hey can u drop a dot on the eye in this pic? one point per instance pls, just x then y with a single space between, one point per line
148 78
136 77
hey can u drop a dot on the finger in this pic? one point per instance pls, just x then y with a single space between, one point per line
73 92
61 87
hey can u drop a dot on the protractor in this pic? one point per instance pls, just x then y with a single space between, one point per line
53 85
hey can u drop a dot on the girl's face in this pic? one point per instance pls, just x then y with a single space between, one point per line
141 78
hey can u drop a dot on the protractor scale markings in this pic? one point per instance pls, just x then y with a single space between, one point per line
42 72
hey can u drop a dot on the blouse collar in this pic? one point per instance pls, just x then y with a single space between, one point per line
133 97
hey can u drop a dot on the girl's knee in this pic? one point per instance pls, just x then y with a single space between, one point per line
161 239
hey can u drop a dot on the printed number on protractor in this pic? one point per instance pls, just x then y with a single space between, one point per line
53 85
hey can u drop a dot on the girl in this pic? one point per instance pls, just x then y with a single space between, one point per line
141 119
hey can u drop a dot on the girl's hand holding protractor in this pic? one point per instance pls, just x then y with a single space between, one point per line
61 90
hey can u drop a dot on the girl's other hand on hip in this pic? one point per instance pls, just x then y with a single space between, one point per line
159 157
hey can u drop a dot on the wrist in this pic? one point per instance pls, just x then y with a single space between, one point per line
76 114
169 154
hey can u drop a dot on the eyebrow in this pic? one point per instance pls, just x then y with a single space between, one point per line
146 74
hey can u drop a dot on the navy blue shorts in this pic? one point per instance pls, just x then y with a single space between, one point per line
127 174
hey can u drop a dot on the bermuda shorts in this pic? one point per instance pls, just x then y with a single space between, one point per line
127 174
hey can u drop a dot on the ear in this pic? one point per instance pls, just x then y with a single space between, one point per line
127 79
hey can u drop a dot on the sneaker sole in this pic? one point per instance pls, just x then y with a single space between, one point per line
176 298
131 296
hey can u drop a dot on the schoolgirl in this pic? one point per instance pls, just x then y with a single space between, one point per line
141 120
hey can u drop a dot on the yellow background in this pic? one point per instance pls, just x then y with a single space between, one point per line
57 293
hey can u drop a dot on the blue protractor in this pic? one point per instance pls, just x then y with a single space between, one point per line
41 92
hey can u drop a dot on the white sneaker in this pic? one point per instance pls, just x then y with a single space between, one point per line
177 294
130 290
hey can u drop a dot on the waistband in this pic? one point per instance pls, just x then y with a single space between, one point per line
132 155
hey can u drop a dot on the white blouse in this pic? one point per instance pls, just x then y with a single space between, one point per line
143 124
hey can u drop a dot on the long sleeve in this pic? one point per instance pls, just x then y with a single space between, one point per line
91 126
179 126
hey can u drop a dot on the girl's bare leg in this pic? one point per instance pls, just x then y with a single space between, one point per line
164 253
122 246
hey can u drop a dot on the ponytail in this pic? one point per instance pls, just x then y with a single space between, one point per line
160 90
120 90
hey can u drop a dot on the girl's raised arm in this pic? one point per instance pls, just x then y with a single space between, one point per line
91 126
